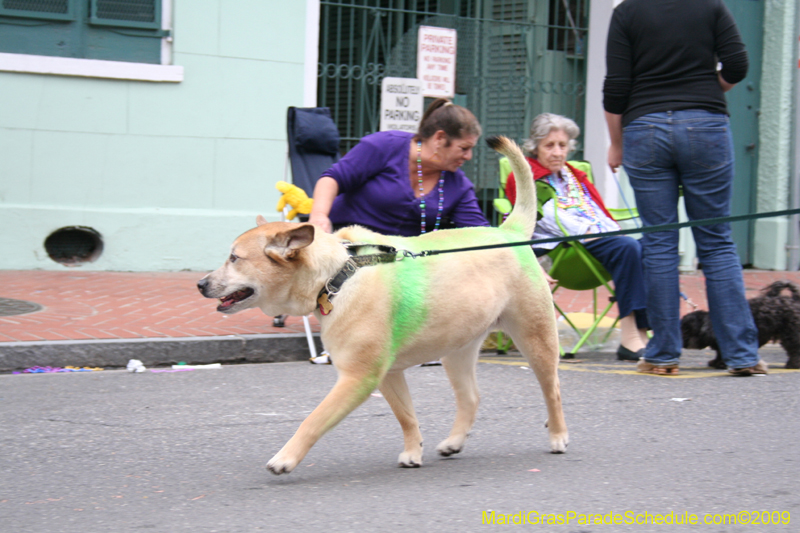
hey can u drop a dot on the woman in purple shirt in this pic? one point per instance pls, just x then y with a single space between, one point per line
398 183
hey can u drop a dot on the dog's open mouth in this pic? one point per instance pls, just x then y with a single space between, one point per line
226 302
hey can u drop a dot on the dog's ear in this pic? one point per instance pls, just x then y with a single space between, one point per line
286 245
260 221
301 237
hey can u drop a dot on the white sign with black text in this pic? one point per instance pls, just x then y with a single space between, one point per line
436 61
401 104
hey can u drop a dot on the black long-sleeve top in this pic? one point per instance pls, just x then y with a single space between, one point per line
661 55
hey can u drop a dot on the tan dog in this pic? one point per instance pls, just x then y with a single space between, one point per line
389 317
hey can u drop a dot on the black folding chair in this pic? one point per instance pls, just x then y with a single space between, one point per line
313 144
313 140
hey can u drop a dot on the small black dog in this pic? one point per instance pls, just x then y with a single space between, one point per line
777 318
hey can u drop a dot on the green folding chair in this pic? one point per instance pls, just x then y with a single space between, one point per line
501 204
573 267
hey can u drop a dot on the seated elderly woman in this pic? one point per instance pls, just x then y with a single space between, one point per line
581 212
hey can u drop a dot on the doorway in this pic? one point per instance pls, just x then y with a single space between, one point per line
743 105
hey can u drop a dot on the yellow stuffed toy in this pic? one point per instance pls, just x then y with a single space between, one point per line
295 197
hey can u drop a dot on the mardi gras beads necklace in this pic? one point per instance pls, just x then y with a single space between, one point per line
422 193
576 197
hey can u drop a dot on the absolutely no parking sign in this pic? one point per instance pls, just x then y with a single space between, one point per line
401 104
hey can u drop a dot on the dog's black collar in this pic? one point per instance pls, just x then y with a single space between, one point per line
387 254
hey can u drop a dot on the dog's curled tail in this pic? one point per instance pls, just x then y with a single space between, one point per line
522 218
776 287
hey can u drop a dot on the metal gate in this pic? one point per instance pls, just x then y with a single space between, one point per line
515 59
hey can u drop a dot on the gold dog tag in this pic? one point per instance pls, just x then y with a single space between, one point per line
325 306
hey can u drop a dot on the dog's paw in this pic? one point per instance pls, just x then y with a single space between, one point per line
278 465
410 460
559 443
450 446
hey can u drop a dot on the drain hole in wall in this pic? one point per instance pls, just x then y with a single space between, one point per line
74 245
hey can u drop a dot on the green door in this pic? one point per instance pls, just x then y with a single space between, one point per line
743 106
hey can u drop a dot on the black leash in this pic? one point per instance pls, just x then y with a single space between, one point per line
571 238
388 254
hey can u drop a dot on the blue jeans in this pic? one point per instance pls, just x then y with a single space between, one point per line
692 148
622 257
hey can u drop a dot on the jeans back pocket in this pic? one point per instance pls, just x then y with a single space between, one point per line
710 147
638 145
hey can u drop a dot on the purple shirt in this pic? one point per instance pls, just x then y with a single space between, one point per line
375 191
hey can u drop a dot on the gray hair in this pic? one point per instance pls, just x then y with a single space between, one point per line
545 123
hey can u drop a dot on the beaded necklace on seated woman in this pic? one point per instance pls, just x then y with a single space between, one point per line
577 197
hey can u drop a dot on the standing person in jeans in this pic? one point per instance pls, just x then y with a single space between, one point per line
669 63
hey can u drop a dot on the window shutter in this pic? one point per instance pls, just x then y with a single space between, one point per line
39 9
127 13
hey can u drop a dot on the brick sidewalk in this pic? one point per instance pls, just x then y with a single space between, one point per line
87 305
121 305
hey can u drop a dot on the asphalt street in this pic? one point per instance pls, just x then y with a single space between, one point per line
114 451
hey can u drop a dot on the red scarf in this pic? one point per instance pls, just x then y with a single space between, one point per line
540 172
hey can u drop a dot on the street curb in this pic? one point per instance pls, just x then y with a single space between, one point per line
114 353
